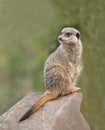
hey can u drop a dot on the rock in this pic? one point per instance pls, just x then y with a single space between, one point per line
60 114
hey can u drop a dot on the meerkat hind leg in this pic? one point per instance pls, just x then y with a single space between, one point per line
70 90
74 89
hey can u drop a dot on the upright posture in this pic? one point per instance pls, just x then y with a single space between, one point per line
61 69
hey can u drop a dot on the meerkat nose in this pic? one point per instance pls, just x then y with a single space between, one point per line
78 35
59 38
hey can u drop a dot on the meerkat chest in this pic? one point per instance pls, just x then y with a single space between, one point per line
73 70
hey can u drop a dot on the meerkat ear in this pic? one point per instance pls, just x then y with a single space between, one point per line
78 35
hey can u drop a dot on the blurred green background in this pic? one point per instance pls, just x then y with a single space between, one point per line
28 34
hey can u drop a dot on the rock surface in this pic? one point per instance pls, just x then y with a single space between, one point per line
60 114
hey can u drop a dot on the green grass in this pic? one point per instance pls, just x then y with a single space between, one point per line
28 33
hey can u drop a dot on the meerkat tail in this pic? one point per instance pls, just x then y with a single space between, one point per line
46 97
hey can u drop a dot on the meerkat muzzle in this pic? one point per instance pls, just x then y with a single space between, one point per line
59 38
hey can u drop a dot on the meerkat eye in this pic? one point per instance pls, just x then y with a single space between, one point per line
68 34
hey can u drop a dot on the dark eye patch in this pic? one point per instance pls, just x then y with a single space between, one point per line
68 34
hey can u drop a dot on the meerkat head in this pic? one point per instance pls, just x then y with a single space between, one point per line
69 36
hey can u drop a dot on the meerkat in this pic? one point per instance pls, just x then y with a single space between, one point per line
61 69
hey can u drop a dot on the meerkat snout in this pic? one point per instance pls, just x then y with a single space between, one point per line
59 38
